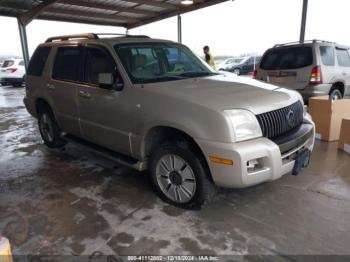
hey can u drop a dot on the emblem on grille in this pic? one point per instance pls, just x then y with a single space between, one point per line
290 118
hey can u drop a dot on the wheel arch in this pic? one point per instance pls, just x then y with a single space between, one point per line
41 103
338 85
159 134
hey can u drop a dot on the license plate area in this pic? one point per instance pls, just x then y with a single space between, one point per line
302 160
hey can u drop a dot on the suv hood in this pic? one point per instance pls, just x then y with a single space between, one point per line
227 91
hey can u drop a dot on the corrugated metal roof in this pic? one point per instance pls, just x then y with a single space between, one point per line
126 13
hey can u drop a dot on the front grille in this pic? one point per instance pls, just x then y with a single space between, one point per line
280 121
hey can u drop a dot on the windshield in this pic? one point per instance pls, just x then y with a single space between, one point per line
287 58
157 62
237 60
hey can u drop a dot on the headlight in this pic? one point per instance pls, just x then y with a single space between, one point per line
244 125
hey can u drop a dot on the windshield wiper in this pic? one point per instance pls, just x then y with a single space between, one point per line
196 74
159 79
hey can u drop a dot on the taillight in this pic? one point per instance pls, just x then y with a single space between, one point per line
11 70
316 76
255 74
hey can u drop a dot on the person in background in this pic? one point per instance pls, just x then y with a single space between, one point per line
209 58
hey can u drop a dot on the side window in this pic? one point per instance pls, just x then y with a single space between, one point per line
327 55
67 63
38 60
343 57
98 61
21 63
250 60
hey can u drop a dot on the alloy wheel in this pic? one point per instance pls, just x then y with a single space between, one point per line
175 178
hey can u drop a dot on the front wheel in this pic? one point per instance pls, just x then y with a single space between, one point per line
181 176
49 129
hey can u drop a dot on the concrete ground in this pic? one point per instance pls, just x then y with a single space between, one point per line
74 202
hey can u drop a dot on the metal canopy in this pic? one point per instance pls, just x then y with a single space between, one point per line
124 13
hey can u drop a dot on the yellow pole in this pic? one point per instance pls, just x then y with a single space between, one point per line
5 250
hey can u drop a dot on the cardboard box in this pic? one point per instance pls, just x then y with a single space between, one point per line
344 140
328 116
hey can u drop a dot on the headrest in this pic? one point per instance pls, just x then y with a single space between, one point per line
139 60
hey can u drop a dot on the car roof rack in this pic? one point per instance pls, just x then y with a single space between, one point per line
304 42
70 37
123 35
90 36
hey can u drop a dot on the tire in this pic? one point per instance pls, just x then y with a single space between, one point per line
17 84
49 129
180 175
335 94
237 71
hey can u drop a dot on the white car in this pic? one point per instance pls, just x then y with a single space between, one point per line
229 63
12 72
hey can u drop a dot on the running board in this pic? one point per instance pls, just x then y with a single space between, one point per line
107 153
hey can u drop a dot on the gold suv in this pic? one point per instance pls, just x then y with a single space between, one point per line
153 104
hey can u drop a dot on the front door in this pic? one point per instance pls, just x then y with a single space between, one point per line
103 117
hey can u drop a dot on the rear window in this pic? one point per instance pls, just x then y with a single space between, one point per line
38 61
287 58
67 64
327 55
343 57
8 63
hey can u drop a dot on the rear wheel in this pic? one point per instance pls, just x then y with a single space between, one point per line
237 71
335 94
181 176
17 84
49 129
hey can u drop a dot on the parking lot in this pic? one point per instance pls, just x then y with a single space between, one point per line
74 202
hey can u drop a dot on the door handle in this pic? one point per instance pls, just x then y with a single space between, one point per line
84 94
50 86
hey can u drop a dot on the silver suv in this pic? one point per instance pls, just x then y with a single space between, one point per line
153 104
314 68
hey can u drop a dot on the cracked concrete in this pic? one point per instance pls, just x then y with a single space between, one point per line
74 202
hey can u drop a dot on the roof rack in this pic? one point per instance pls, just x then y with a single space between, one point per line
305 42
124 35
89 36
70 37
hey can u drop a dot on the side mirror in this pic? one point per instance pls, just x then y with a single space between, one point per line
107 81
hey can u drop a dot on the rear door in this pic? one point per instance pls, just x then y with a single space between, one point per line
248 65
63 85
330 72
288 66
343 58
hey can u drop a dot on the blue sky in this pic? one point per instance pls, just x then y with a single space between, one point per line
230 28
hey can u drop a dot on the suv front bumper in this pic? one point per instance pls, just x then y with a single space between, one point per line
270 162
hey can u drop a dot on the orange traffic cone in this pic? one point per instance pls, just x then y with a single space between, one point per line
5 250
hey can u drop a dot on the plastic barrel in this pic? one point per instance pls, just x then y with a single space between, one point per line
5 250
